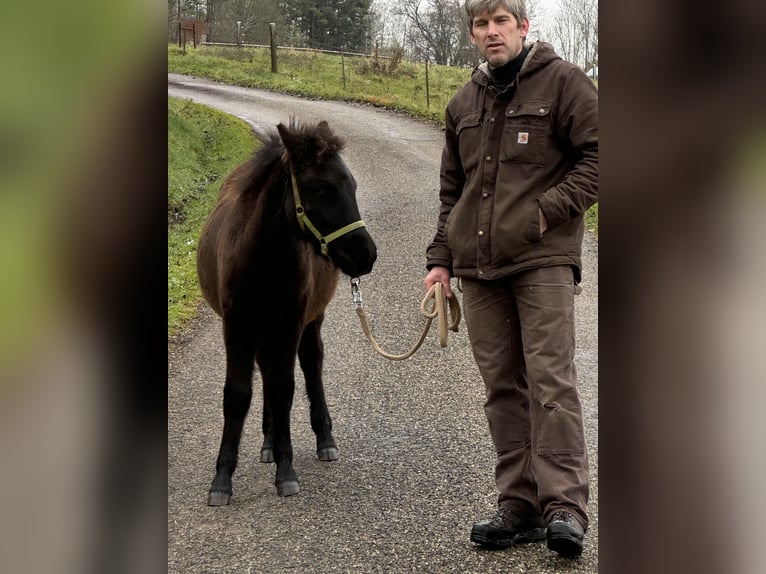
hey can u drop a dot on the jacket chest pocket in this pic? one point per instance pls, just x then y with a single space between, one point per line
469 140
526 132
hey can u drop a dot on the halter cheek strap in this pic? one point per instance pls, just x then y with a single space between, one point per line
305 222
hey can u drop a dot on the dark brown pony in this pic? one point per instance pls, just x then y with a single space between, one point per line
268 262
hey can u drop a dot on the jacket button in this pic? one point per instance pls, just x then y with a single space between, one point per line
542 110
485 195
488 158
492 119
481 233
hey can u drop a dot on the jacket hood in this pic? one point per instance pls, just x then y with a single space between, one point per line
540 54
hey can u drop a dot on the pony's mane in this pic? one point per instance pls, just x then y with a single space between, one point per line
322 142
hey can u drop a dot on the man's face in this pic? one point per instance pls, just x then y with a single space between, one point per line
498 36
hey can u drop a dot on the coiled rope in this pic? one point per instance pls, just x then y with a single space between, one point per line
439 304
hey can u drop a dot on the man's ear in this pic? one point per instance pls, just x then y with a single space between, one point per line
524 27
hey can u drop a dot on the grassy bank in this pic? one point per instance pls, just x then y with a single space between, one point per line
203 146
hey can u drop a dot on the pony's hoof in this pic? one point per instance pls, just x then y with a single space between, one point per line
288 488
218 498
328 453
267 455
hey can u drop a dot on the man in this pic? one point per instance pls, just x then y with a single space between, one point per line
519 169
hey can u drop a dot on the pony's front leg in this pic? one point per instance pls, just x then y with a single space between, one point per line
278 390
267 448
237 395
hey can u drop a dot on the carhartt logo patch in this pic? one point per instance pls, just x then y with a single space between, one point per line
523 138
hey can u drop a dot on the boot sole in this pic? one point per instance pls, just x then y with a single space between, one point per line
566 545
534 535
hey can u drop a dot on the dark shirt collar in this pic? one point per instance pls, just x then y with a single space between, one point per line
503 76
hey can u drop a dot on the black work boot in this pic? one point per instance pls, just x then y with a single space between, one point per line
565 535
505 529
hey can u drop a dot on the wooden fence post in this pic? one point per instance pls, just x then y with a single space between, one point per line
274 67
428 92
343 69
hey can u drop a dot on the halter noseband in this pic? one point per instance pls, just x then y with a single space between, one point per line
304 221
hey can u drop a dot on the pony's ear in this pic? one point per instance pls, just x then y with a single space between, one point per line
294 143
327 143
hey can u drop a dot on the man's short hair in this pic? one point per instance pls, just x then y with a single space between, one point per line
515 7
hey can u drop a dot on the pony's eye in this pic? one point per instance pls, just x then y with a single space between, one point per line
318 193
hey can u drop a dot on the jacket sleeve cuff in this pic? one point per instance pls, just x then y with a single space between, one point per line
431 263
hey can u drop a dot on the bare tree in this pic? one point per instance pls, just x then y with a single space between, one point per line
389 27
253 15
534 25
574 32
435 28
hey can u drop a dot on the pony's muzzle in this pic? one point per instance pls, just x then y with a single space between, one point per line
354 253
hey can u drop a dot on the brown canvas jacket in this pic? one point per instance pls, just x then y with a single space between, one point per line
535 144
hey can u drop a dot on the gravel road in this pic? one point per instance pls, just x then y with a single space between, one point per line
416 462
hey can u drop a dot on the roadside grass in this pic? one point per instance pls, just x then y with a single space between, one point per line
204 145
591 219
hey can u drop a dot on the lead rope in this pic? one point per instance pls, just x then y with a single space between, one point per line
437 311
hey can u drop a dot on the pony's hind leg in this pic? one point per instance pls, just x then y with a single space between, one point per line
311 355
237 395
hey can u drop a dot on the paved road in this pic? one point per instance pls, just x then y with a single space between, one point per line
416 461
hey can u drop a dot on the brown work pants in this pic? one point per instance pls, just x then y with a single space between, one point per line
522 333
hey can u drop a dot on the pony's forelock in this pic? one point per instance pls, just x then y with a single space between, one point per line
318 137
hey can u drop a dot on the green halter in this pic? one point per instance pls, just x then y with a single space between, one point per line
304 221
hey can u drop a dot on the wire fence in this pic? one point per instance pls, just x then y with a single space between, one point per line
375 56
298 49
